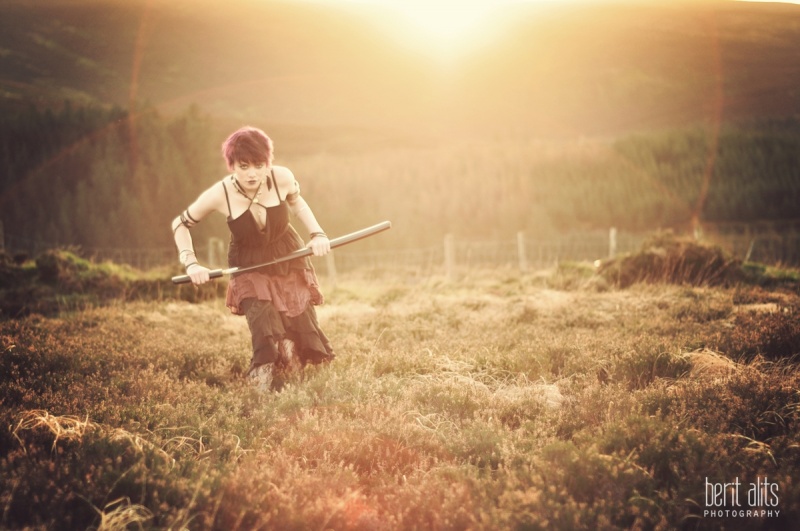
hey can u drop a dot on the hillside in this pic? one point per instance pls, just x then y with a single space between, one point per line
603 68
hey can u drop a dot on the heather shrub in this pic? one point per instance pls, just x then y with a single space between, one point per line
60 280
573 486
667 258
770 335
641 368
66 470
701 305
759 406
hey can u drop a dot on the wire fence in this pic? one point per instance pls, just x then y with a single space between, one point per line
519 250
772 248
531 254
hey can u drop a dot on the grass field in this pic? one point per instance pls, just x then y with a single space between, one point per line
496 401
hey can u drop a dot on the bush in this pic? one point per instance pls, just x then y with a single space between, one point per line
772 336
640 369
60 280
667 258
67 470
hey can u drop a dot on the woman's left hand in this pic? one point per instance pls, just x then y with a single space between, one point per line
320 245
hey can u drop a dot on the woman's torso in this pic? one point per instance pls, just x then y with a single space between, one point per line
261 232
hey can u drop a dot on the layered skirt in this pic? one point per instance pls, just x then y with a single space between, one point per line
279 304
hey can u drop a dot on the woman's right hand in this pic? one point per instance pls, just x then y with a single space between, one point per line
198 274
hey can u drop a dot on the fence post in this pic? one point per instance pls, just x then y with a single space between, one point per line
521 252
330 264
750 250
449 256
215 252
612 242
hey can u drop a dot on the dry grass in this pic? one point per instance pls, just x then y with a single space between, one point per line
709 365
496 401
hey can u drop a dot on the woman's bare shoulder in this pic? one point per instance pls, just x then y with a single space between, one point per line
283 176
218 188
222 184
213 197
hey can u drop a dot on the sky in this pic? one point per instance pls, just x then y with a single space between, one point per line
448 27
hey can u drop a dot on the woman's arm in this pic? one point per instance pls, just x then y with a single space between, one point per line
319 244
208 202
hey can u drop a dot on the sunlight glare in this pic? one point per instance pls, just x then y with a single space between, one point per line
440 28
444 20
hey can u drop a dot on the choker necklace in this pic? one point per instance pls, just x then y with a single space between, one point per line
239 189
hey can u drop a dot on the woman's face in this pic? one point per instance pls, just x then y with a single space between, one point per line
251 174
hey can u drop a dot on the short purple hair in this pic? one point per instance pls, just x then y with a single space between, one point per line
247 144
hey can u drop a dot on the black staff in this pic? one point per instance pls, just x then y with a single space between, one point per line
300 253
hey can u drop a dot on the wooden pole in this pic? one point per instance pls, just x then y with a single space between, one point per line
216 252
521 252
449 256
330 264
612 242
750 250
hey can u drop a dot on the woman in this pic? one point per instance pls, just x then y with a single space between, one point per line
278 301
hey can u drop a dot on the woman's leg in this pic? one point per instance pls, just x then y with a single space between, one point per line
263 324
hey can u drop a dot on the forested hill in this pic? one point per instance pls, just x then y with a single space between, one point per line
153 86
574 69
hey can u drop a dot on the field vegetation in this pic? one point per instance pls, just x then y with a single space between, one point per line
560 399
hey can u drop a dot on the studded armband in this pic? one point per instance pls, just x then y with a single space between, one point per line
294 195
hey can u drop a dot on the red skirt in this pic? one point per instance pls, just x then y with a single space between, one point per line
290 294
280 307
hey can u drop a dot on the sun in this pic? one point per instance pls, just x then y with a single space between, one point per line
445 29
439 28
445 22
